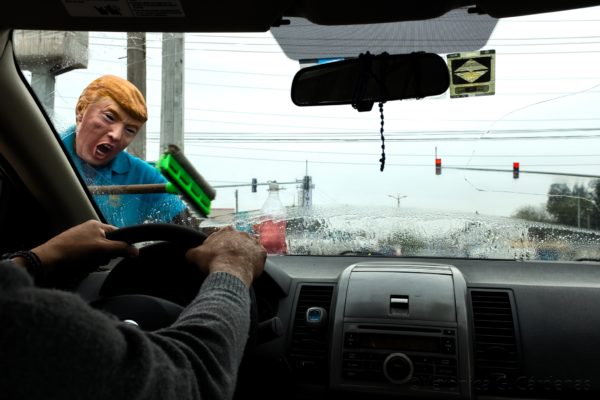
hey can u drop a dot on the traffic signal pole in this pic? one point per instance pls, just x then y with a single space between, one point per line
306 185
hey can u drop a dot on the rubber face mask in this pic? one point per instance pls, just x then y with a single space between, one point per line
104 129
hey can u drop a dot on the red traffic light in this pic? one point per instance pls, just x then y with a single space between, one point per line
438 166
516 166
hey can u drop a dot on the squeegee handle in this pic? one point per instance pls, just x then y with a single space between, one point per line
134 189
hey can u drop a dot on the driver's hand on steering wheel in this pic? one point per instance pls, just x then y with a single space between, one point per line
82 242
232 251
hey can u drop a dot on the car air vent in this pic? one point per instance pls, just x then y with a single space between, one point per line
309 346
497 360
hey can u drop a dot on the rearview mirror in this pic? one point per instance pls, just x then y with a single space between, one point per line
371 79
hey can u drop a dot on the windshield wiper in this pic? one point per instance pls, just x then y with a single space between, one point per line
363 253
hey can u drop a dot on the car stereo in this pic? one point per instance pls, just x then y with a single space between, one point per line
424 358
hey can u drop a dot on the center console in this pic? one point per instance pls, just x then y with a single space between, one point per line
401 329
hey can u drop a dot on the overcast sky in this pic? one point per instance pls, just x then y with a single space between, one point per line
241 124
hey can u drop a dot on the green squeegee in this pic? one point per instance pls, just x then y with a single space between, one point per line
184 179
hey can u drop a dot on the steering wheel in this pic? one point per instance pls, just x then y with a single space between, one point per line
153 288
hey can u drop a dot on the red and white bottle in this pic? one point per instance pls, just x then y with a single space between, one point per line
271 229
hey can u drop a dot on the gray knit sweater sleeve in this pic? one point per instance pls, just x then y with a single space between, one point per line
54 346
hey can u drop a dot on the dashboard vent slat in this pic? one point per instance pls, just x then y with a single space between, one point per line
496 346
309 345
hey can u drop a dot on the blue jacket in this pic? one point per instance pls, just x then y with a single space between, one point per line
126 209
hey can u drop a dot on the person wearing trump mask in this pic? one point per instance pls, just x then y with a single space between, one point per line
109 114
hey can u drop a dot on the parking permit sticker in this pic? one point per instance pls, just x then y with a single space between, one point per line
124 8
472 73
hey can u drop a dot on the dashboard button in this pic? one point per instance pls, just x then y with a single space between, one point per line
448 346
350 339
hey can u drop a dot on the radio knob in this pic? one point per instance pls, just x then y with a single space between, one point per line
398 368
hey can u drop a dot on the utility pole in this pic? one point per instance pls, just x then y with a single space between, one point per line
305 194
172 103
136 74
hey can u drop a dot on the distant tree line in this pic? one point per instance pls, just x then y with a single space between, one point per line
577 206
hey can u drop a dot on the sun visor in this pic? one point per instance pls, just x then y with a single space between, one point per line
456 31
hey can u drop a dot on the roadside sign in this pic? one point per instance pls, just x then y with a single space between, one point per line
472 73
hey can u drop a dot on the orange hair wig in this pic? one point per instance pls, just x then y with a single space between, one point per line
123 92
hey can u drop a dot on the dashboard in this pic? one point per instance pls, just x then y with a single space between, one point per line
356 327
370 327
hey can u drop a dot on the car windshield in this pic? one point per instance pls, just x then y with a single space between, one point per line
505 169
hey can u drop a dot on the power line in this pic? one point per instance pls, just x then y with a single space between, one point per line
254 73
336 117
274 40
337 53
399 43
435 133
237 72
512 156
483 167
286 89
345 117
336 50
279 139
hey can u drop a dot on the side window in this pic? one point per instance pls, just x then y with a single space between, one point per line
23 223
72 75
